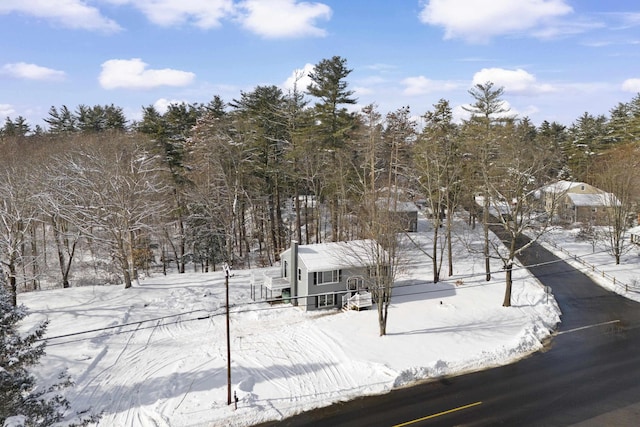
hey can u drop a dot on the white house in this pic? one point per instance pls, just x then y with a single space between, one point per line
327 275
634 235
405 213
577 202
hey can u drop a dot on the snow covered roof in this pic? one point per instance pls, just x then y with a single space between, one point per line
406 207
338 255
398 206
601 199
561 186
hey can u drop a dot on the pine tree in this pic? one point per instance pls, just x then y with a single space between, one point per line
330 87
333 127
19 127
263 112
22 401
587 135
61 122
486 112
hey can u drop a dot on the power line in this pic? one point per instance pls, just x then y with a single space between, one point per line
251 305
106 328
215 314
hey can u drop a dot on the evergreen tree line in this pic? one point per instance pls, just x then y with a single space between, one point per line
94 197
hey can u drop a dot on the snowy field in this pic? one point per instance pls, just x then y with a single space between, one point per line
157 355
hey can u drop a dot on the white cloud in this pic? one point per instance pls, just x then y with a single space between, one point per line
268 18
363 90
480 20
6 110
133 74
515 82
421 85
530 110
372 81
460 114
380 67
630 19
75 14
162 104
283 18
631 85
201 13
299 77
22 70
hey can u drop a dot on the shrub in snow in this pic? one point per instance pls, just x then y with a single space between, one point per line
22 402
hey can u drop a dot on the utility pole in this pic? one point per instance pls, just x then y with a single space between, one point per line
227 272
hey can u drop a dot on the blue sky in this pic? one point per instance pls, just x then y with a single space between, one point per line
556 59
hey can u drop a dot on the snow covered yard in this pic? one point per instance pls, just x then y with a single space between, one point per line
157 352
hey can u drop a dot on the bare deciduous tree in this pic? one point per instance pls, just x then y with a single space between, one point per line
378 221
117 194
18 213
510 184
618 174
438 169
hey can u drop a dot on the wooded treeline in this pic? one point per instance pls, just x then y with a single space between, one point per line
236 181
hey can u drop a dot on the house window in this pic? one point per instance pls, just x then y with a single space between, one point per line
582 187
299 274
326 301
324 277
285 266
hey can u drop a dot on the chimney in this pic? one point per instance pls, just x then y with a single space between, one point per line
293 274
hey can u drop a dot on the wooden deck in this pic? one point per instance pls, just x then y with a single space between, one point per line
274 281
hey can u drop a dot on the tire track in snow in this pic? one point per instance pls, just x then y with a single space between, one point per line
314 366
105 370
115 380
152 382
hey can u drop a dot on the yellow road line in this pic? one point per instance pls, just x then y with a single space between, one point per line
417 420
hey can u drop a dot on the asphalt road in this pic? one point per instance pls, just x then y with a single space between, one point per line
588 375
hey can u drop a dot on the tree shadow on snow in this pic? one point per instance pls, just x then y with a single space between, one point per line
417 290
118 397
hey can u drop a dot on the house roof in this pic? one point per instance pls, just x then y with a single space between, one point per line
406 207
338 255
601 199
398 206
561 186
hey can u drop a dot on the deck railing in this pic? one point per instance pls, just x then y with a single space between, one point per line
357 301
272 280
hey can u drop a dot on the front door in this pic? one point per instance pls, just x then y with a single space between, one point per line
355 284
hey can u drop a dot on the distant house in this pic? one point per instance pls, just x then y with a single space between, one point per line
578 202
326 275
634 235
406 213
